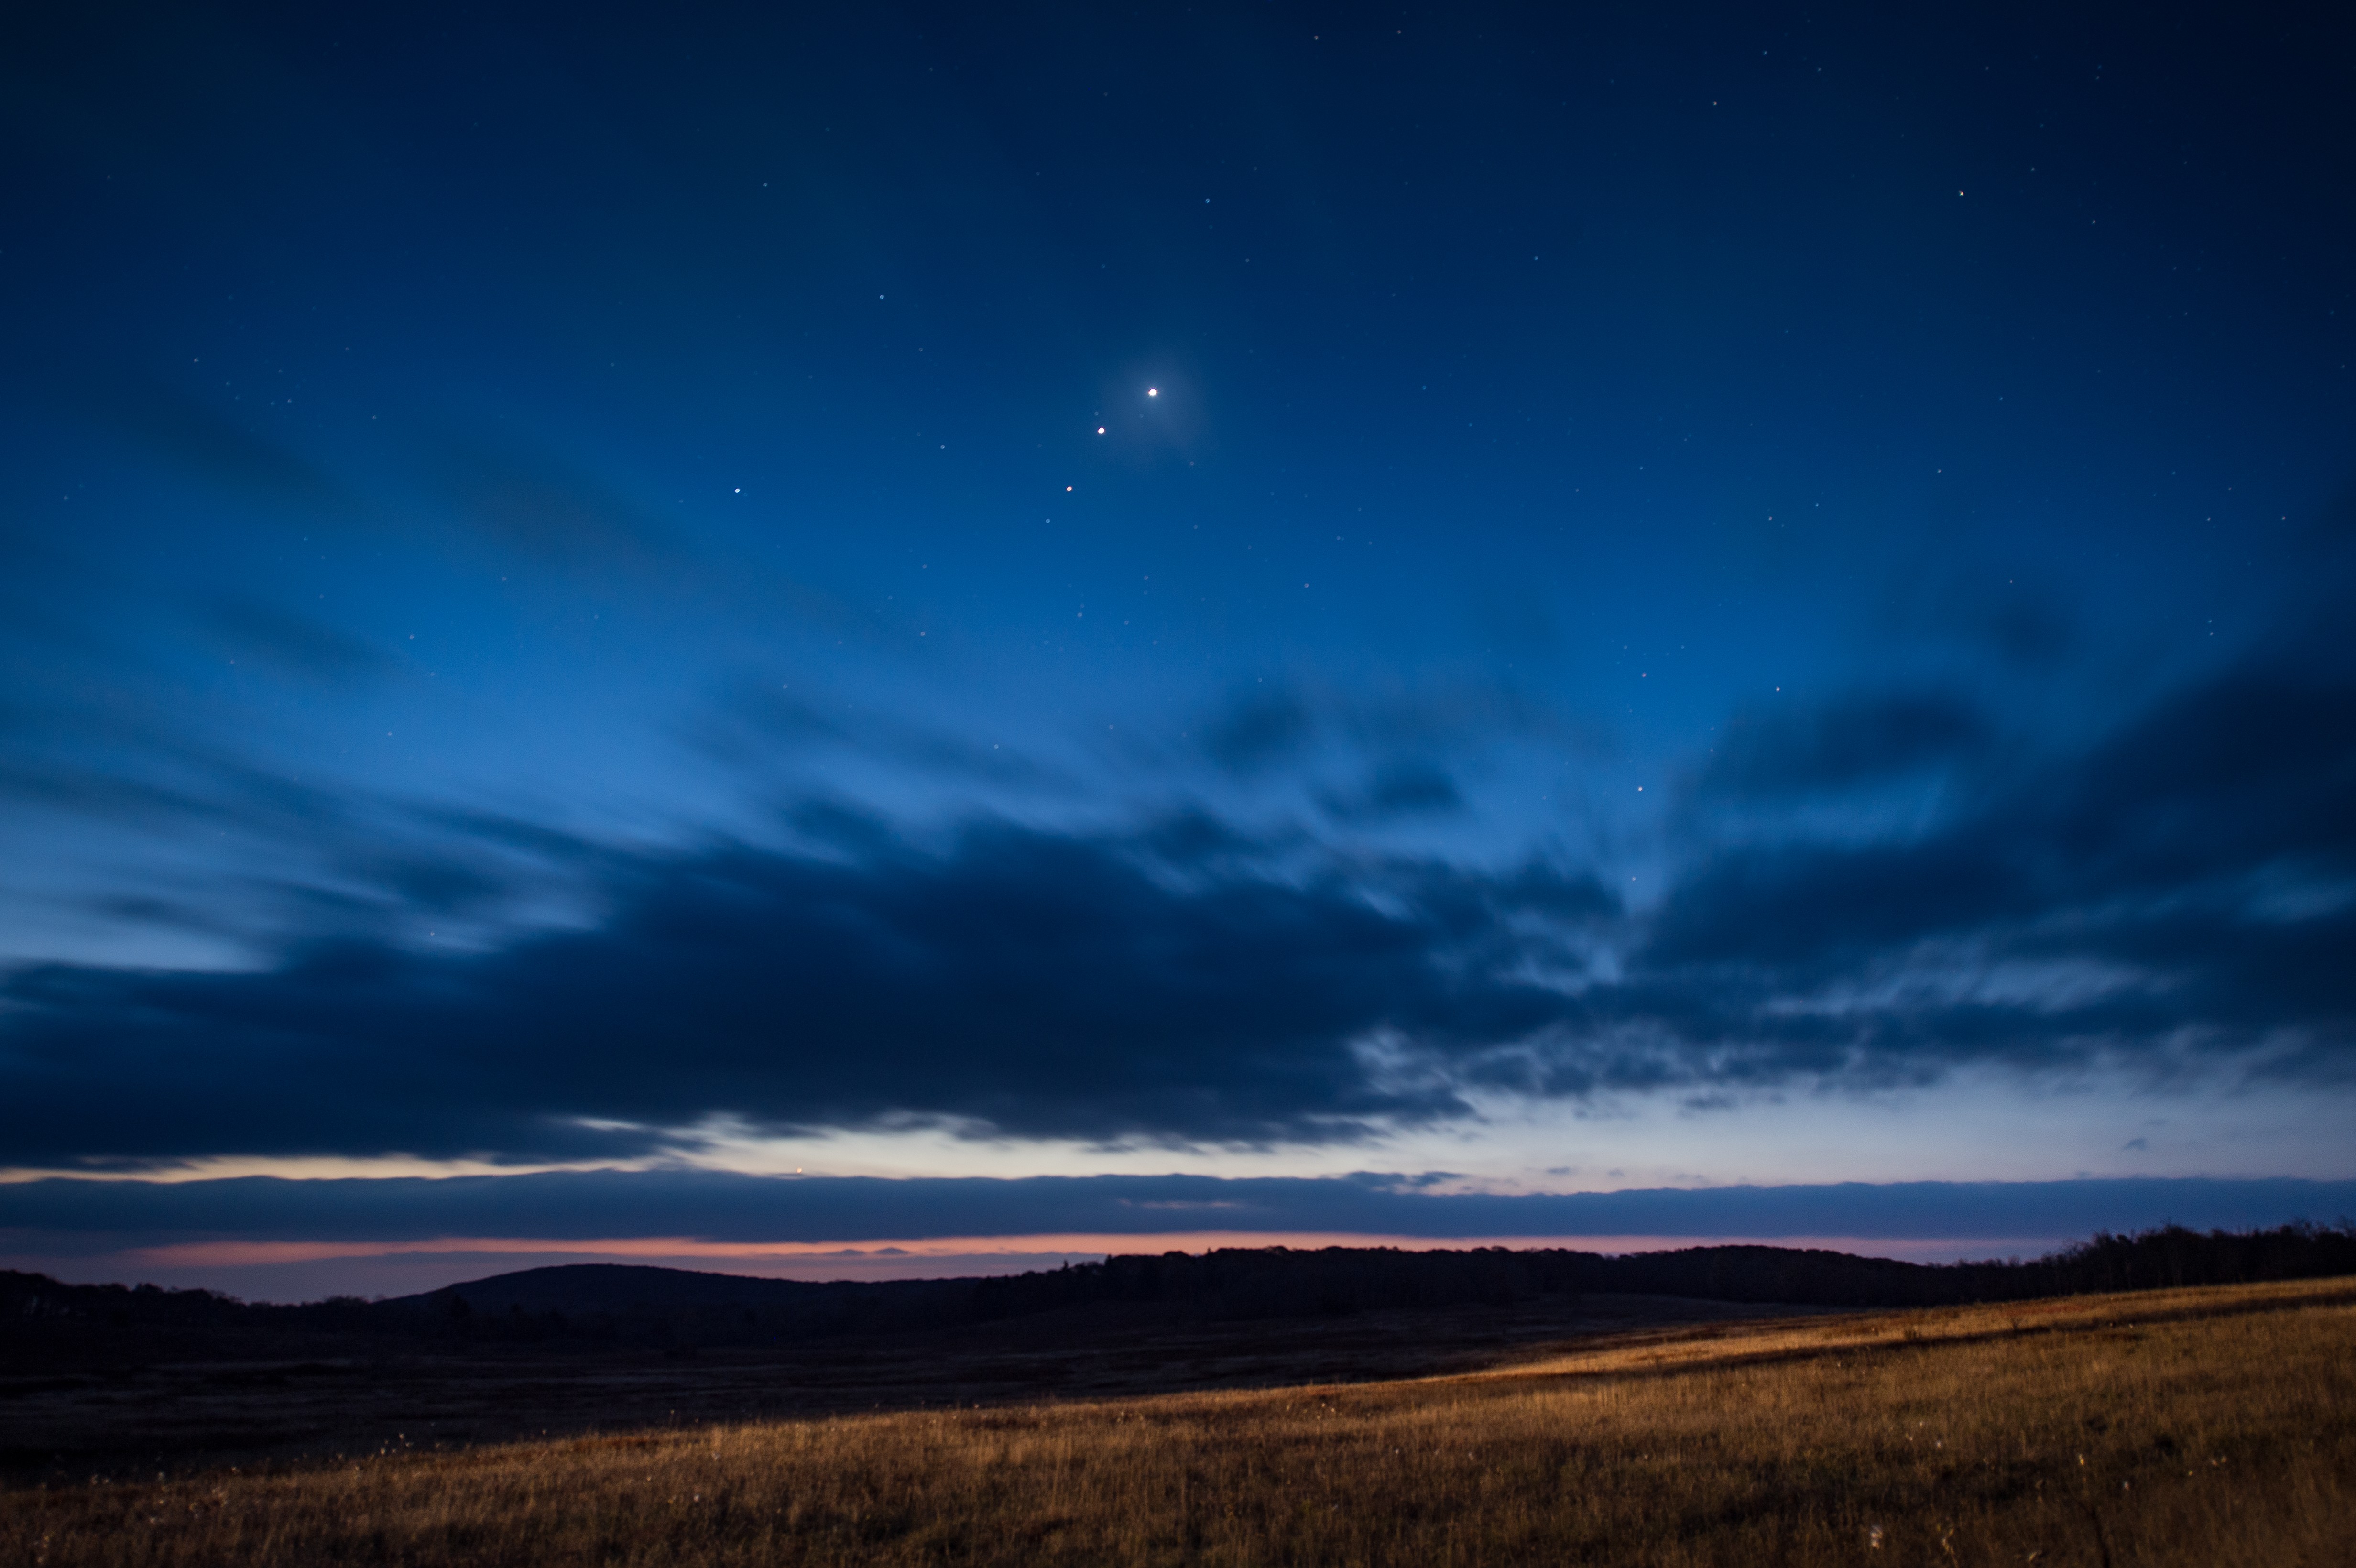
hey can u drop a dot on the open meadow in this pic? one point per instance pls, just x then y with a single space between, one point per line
2208 1426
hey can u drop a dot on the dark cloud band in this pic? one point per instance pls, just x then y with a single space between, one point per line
2184 893
61 1215
1034 983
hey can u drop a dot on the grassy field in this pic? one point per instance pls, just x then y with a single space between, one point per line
2209 1428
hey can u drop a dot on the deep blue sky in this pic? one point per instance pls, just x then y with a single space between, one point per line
1540 599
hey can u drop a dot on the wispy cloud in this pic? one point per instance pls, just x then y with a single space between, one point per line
2178 893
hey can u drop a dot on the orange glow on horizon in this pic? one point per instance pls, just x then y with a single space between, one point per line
639 1249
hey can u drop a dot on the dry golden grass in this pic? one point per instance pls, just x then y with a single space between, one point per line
2209 1428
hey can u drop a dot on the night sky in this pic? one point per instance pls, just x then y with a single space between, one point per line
1110 629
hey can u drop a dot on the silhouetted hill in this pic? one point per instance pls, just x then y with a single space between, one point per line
592 1303
619 1287
656 1306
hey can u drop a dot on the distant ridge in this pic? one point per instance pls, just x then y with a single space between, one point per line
613 1288
1272 1282
627 1303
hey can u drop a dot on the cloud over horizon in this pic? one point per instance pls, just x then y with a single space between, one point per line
1208 986
63 1215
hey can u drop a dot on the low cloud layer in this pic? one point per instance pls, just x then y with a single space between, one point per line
2176 897
2187 881
60 1216
1031 982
